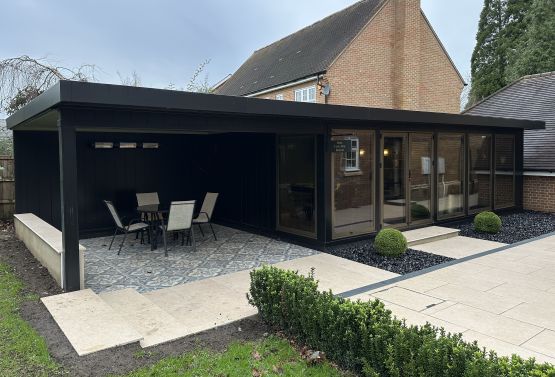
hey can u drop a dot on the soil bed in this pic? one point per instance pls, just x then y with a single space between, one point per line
517 226
364 252
119 360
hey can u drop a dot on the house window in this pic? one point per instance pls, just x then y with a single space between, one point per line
279 97
306 94
352 155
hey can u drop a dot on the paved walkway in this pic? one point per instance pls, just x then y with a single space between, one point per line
505 300
94 322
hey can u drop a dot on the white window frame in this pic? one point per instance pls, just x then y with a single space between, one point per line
352 157
307 94
279 97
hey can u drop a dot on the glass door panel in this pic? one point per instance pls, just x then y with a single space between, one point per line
353 183
394 180
420 177
479 180
450 175
297 184
504 171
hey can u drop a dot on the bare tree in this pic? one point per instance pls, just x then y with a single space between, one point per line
199 87
23 78
132 80
6 140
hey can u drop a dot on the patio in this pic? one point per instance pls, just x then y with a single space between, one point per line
144 270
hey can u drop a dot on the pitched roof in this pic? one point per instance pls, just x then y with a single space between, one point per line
531 97
307 52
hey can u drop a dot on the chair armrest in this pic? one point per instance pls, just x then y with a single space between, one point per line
200 213
133 221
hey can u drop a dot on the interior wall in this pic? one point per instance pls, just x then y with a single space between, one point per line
37 172
241 167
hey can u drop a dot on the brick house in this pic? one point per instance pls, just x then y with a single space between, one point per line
375 53
531 97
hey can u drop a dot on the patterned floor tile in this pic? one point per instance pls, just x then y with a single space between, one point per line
145 270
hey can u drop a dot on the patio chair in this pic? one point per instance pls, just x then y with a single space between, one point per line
180 220
147 199
135 226
205 214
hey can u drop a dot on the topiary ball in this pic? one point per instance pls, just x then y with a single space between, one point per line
390 243
487 222
419 212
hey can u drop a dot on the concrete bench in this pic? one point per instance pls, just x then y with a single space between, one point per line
45 243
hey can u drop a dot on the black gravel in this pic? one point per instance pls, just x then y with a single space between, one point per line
364 252
517 226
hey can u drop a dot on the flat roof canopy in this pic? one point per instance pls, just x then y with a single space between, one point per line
39 114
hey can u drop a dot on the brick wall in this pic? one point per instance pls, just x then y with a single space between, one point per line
395 62
539 193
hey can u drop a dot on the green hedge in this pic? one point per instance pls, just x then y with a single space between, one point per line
390 242
487 222
365 338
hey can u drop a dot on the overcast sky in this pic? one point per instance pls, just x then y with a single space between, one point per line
165 40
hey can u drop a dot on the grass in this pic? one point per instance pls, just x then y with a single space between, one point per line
270 357
22 351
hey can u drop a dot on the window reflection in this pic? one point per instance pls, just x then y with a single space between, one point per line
504 171
450 171
352 180
479 183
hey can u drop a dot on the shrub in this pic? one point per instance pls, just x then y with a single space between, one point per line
487 222
390 242
419 212
364 337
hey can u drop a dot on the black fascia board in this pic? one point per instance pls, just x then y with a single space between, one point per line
135 98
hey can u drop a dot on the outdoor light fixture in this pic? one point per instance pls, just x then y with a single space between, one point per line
127 145
103 145
362 152
386 152
151 145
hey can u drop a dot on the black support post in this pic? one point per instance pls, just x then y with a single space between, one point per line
69 204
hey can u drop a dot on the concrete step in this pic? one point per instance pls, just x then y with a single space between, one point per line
155 325
429 234
89 323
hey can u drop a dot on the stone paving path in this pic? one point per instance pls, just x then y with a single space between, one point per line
505 300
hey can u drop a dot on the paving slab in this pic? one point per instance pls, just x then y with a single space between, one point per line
506 349
477 299
407 298
537 313
154 324
338 274
544 343
458 247
496 326
89 323
429 234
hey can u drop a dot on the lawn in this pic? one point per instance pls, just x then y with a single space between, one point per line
22 351
270 357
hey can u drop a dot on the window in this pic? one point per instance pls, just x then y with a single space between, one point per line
279 97
352 155
450 175
504 171
306 94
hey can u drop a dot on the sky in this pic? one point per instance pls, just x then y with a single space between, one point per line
164 41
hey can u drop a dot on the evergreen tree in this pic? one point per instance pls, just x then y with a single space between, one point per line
536 49
489 58
515 22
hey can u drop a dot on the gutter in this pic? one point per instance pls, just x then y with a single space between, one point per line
285 86
539 174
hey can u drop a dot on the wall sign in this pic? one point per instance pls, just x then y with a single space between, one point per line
340 146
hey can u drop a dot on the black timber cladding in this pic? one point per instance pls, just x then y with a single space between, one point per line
307 52
533 98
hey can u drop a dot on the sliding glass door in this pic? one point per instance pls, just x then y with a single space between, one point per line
297 185
407 179
450 174
395 178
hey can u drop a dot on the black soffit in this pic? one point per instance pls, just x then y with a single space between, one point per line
119 97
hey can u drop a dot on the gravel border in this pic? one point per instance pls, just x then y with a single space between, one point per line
364 252
518 225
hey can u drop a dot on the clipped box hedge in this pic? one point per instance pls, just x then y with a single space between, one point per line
365 338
